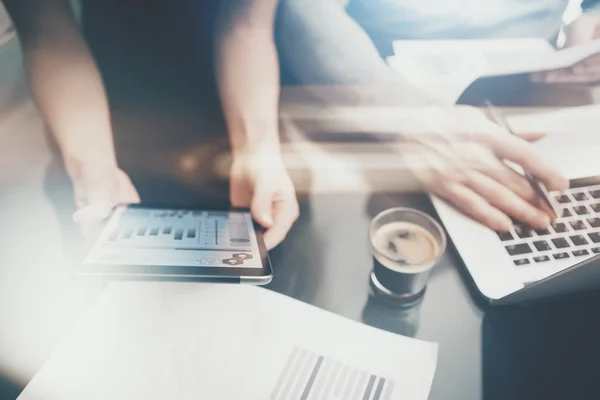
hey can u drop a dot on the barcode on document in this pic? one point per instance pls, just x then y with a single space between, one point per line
310 376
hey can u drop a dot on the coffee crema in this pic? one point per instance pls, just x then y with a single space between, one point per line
405 246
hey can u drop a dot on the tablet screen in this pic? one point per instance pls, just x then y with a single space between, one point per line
171 237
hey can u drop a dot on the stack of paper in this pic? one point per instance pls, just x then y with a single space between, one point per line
194 341
446 68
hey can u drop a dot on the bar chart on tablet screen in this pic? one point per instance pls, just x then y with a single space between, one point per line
180 238
310 376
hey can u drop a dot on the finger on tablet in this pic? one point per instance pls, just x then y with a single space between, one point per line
93 214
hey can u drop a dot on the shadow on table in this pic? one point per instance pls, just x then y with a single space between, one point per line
298 261
543 351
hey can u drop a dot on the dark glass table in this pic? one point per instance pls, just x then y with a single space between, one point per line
545 350
326 261
548 350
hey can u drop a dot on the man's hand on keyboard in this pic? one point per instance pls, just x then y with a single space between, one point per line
459 155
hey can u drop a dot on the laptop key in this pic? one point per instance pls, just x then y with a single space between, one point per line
522 261
579 240
596 250
595 194
559 227
563 198
542 232
518 249
560 256
505 236
577 225
560 243
594 222
596 207
580 196
523 231
566 213
541 259
581 210
542 245
595 236
579 253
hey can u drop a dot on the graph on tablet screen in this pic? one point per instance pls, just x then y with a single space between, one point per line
180 238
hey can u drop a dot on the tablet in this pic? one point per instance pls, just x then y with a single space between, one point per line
177 244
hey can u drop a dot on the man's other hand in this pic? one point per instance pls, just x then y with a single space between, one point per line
259 180
97 191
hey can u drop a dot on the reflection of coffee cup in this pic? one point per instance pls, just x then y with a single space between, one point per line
406 245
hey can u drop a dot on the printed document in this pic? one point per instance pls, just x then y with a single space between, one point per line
446 68
201 341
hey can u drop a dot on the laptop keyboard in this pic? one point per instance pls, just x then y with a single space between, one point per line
575 234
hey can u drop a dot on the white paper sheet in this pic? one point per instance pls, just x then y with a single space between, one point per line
572 138
195 341
582 122
445 68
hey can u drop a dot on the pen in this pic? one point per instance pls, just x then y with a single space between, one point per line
548 204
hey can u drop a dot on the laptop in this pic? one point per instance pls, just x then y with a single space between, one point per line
526 264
